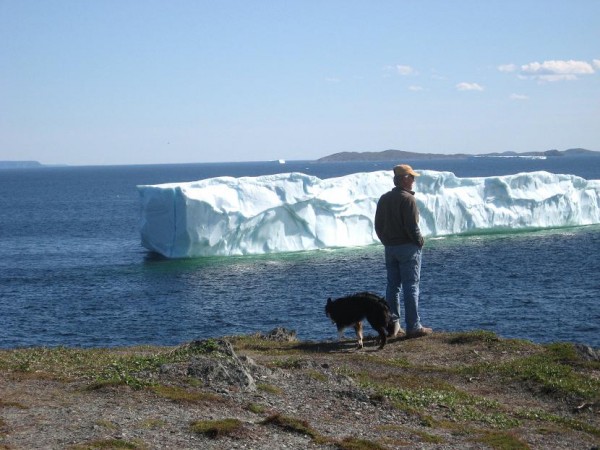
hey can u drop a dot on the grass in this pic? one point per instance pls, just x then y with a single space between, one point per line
476 336
418 389
551 371
103 367
460 405
453 396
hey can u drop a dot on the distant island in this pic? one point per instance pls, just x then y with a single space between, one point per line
20 164
395 155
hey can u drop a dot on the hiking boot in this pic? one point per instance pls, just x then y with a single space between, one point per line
395 330
419 333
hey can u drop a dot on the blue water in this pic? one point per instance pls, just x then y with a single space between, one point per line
73 272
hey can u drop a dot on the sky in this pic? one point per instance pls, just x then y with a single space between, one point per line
175 81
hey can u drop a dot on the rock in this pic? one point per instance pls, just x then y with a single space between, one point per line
281 334
217 365
587 352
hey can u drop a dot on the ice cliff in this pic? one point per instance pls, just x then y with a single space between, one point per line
293 211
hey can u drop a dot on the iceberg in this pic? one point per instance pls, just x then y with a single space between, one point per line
294 211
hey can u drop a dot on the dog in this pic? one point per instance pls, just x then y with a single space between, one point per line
353 309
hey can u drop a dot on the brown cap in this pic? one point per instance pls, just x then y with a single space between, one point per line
404 169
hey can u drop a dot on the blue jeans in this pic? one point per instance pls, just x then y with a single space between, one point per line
403 265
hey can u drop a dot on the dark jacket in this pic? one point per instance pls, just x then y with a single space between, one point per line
397 218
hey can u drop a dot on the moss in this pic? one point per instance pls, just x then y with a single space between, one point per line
153 424
259 343
107 424
502 441
270 388
352 443
316 375
217 428
288 363
424 436
106 444
256 408
180 395
11 404
291 424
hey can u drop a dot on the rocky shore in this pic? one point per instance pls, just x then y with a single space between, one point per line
269 391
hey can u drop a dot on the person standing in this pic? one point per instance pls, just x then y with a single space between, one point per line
397 227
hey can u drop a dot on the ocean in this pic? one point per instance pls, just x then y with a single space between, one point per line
73 271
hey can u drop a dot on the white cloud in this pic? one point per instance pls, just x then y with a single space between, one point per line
332 80
405 70
518 97
507 67
556 70
469 87
415 88
596 63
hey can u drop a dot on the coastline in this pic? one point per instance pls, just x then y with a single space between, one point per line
449 390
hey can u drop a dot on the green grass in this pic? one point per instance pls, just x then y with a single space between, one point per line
552 371
461 405
65 364
103 367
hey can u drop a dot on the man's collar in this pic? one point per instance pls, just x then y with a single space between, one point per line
400 188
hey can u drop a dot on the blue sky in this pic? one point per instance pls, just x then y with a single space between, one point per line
142 82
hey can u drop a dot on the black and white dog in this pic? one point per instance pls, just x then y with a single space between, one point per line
353 309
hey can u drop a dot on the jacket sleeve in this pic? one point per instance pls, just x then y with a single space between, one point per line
412 224
378 220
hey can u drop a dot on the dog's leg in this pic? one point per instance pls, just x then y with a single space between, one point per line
358 327
382 337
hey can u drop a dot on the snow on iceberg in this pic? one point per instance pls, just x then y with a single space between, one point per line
294 211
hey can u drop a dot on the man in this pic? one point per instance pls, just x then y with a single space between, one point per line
397 226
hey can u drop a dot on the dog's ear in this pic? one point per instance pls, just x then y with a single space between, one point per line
328 300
